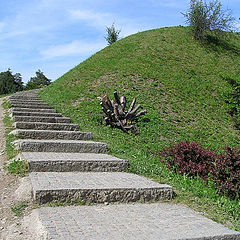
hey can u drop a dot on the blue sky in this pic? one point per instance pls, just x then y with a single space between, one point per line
56 35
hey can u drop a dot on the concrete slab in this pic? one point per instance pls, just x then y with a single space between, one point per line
51 134
35 106
28 102
37 101
96 187
41 119
45 110
46 126
22 98
31 145
158 221
72 162
40 114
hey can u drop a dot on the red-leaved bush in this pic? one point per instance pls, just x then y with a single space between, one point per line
227 173
190 158
194 160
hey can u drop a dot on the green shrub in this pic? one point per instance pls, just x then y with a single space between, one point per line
112 34
204 17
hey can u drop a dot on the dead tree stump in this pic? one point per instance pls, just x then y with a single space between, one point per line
117 116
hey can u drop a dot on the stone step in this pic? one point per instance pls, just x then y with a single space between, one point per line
72 162
26 101
29 93
41 119
45 110
51 134
77 146
46 126
155 221
34 106
40 114
96 187
22 98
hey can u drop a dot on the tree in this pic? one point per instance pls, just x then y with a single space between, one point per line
206 17
10 83
37 82
18 80
112 34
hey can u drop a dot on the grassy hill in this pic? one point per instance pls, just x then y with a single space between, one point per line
181 83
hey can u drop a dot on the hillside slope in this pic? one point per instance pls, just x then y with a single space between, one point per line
176 79
182 85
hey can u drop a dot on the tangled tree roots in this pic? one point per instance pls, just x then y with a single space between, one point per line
115 114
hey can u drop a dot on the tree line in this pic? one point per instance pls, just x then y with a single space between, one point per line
10 83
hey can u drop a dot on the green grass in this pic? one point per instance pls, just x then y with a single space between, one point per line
18 167
181 84
8 122
18 209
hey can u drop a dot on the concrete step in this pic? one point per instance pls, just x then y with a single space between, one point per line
41 119
30 93
96 187
51 134
40 114
27 102
35 106
72 162
39 101
22 98
45 110
46 126
155 221
77 146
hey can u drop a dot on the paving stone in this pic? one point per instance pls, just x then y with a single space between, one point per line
45 110
31 145
96 187
40 114
70 162
157 221
34 106
46 126
51 134
41 119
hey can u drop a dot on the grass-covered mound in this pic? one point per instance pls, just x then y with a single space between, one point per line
181 83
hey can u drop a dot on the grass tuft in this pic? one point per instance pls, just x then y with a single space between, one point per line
18 167
18 209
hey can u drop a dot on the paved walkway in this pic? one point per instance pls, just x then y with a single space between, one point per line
67 166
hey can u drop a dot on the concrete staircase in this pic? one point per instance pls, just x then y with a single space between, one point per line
67 166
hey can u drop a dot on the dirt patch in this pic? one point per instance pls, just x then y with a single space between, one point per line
13 191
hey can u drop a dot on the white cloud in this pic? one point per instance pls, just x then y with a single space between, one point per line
101 20
93 18
73 48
